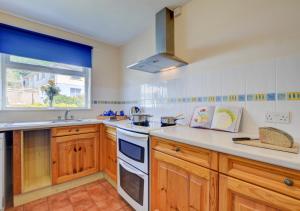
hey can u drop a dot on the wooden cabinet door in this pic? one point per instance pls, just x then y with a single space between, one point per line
74 156
87 160
237 195
180 185
111 156
64 154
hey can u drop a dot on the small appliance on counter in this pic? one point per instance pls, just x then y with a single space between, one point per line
169 120
140 119
135 110
271 138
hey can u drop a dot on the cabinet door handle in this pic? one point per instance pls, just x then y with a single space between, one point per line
79 149
70 130
163 189
288 182
177 149
75 150
77 130
54 162
74 171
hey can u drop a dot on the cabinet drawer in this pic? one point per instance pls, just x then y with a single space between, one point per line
272 177
202 157
73 130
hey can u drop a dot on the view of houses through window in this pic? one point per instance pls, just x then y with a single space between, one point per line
26 84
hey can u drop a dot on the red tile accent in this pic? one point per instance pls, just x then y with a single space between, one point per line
96 196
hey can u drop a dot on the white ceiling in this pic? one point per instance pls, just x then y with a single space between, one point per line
110 21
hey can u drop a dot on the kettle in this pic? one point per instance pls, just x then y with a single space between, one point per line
134 110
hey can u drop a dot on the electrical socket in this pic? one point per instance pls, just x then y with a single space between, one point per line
278 117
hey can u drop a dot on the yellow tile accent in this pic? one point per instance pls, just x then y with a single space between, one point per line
232 98
211 99
260 97
293 96
194 99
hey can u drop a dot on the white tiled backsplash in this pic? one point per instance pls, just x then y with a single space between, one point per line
259 87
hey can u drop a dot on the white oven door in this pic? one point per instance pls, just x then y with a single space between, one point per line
133 186
133 148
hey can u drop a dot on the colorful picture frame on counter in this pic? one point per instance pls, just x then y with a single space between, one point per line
221 117
202 117
227 118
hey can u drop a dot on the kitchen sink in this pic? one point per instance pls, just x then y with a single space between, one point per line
66 120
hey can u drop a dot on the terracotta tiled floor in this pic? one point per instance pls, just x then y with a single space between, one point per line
99 195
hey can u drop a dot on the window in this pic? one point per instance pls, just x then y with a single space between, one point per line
75 92
38 71
23 80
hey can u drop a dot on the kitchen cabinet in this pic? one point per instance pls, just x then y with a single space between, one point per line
31 160
184 177
178 184
237 195
43 159
275 178
74 156
256 186
110 152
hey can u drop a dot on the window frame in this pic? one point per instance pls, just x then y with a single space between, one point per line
6 63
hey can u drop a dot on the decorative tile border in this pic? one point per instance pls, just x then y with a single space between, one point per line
293 96
257 97
113 102
281 96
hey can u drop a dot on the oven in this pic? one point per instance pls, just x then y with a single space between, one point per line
133 167
133 186
133 148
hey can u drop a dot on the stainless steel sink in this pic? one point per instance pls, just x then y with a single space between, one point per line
66 120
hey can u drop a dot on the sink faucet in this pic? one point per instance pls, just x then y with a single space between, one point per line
67 114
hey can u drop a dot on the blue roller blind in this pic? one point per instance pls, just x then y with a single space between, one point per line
25 43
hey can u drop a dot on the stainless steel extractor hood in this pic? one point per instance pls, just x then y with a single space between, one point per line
165 58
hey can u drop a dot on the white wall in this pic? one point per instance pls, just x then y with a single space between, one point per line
105 73
234 47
